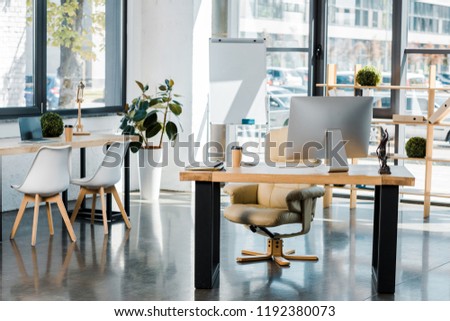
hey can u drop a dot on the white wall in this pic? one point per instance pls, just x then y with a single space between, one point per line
172 43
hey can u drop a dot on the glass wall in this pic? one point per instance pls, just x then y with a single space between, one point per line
78 49
285 26
360 32
429 44
283 23
16 59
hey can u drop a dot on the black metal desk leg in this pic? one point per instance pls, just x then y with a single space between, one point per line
384 254
109 207
126 178
83 169
1 201
207 234
65 198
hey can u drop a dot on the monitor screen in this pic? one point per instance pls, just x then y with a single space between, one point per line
311 117
30 128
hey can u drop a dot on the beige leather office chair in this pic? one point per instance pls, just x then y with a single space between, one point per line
274 145
262 206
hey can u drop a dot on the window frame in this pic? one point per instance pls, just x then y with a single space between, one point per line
40 69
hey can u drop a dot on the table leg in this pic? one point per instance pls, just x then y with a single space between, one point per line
384 251
65 198
207 234
1 201
109 207
83 169
126 178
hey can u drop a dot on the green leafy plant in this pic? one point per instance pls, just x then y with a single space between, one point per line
149 116
52 125
368 76
416 147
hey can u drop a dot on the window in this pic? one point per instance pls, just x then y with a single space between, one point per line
352 45
375 19
428 44
286 30
16 58
270 9
425 49
54 45
429 18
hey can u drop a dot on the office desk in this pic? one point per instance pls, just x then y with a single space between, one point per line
207 211
13 146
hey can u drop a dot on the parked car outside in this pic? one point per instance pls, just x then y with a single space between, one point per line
444 78
279 102
52 91
278 76
412 79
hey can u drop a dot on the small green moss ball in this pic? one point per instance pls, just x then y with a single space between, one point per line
416 147
52 125
368 76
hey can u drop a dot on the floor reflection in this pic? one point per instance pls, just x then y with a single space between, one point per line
154 260
31 282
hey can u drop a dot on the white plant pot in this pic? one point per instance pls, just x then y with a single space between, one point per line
368 92
150 168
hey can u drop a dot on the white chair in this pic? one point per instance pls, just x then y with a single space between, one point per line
48 176
103 181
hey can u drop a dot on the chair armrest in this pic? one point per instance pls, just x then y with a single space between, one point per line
305 193
303 202
242 193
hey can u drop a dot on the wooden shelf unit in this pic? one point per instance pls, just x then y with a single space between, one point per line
428 160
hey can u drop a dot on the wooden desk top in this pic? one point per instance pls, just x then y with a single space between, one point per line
14 146
357 174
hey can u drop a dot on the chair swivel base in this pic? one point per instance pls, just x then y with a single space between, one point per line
275 252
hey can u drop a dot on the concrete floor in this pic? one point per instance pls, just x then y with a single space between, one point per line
154 260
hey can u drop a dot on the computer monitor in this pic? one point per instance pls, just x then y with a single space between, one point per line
30 129
311 117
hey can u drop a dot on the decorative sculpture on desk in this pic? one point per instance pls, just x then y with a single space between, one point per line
79 130
382 153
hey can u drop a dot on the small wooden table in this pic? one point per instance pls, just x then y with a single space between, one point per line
14 146
207 211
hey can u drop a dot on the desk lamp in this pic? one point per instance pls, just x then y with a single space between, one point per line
79 127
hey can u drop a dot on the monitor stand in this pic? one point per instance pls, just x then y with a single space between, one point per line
335 155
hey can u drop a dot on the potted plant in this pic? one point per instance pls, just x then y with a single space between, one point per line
151 118
52 125
368 76
416 147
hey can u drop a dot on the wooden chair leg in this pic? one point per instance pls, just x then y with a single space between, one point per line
281 261
62 210
254 258
301 257
37 201
19 216
253 253
122 209
49 218
78 204
103 201
34 259
94 201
